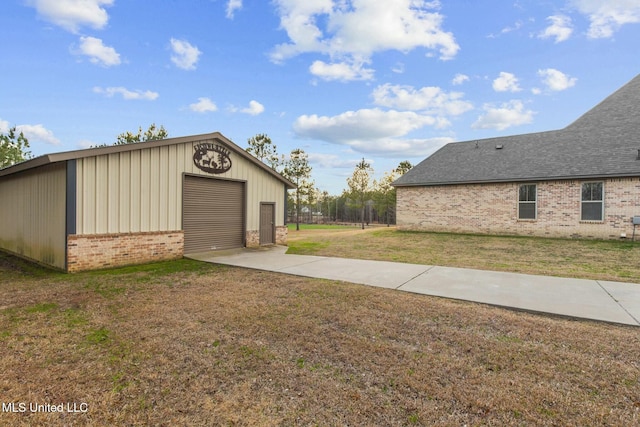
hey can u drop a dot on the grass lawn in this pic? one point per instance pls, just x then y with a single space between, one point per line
592 259
190 343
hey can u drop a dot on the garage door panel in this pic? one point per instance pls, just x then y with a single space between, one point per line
213 214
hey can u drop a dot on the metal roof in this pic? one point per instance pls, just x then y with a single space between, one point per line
604 142
79 154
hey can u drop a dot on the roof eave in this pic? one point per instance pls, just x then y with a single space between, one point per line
113 149
528 179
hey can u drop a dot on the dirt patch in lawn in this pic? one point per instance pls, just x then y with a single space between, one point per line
589 259
188 343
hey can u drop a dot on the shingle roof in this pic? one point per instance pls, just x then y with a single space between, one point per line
604 142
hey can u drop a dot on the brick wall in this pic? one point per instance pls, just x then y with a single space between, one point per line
253 236
90 252
281 234
493 209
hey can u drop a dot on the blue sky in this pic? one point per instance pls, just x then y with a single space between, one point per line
387 80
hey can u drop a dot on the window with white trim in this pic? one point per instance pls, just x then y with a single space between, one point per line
527 201
592 203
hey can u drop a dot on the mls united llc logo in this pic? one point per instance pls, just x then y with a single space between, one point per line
21 407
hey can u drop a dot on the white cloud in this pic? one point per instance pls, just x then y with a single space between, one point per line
387 147
185 55
97 52
203 105
361 124
607 16
298 19
73 14
506 115
371 131
232 6
4 126
398 68
31 132
342 71
560 28
126 93
556 80
516 26
331 161
430 100
397 147
370 26
354 30
506 82
254 108
459 79
38 133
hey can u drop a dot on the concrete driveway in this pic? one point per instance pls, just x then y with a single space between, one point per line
614 302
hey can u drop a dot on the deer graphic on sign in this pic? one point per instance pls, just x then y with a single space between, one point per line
212 158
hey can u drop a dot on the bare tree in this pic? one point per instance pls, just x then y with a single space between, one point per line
264 150
297 170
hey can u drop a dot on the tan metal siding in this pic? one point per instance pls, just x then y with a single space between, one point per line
135 197
141 190
124 212
174 204
113 184
163 191
32 214
102 188
213 212
145 191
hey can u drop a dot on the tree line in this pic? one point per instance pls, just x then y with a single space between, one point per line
364 201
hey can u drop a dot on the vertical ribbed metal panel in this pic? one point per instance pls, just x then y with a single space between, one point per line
141 190
124 213
33 214
213 214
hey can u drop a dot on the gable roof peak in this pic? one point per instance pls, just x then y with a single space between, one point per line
621 108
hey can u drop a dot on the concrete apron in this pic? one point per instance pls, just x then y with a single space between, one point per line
614 302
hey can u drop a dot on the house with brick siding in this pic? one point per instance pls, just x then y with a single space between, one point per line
582 181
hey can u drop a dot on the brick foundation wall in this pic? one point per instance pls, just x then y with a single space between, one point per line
91 252
493 209
281 234
253 236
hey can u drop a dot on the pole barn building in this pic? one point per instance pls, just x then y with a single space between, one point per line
129 204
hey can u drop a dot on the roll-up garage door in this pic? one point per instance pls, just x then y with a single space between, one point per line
213 214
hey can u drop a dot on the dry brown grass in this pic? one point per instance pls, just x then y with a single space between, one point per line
185 343
591 259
